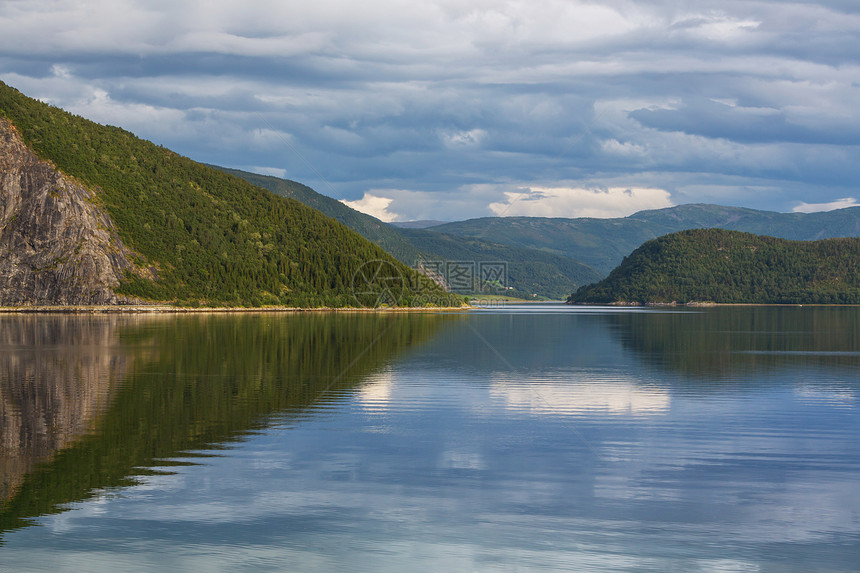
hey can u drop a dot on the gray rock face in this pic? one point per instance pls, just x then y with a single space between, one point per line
56 246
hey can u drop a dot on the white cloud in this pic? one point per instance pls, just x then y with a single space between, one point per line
716 28
618 148
462 202
831 206
373 206
459 139
581 202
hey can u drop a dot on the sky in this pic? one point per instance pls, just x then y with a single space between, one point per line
453 109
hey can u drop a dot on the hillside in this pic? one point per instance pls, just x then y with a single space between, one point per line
732 267
529 272
194 234
56 245
603 243
367 226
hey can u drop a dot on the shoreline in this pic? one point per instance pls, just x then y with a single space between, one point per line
167 309
703 304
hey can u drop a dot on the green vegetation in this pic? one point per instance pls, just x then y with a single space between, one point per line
732 267
213 239
529 271
603 243
368 227
598 243
196 382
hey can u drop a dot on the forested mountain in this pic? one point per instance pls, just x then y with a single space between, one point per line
732 267
367 226
530 272
197 235
603 243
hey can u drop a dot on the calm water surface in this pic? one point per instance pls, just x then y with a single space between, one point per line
540 437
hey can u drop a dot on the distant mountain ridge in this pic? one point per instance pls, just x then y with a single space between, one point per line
551 257
603 243
717 265
529 272
423 224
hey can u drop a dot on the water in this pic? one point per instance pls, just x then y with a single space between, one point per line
532 438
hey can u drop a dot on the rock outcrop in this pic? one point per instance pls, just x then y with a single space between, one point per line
57 247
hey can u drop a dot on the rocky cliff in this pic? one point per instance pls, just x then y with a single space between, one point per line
57 247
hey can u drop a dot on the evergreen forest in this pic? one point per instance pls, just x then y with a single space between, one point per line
715 265
213 239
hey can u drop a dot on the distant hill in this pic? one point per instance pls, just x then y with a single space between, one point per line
528 272
165 227
603 243
732 267
416 224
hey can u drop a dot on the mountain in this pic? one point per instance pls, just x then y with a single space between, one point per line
527 273
603 243
93 214
794 226
367 226
56 245
732 267
425 224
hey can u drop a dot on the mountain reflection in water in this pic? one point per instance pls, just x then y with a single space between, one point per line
544 437
90 402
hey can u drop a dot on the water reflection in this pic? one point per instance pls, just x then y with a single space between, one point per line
90 402
730 342
57 376
556 440
588 396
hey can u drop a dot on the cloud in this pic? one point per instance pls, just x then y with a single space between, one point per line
461 139
581 202
791 120
442 205
622 148
449 99
715 27
832 205
373 206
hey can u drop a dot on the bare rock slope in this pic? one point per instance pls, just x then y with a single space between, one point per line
57 247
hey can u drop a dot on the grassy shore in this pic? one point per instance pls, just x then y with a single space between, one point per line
156 309
696 304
